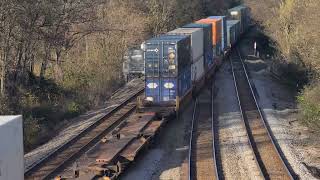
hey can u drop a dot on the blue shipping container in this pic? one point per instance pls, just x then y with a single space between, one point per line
237 28
231 36
207 33
223 30
168 68
241 13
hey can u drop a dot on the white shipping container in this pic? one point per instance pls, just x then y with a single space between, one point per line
196 40
197 69
11 148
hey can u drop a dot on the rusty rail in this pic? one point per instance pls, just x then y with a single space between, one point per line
55 162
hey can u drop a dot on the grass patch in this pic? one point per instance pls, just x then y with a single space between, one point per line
309 104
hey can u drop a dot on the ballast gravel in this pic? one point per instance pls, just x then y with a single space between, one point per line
237 158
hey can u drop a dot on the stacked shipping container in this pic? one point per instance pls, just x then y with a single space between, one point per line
197 58
181 57
207 42
241 13
223 30
233 27
216 34
168 68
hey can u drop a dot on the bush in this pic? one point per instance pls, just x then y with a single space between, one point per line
309 104
73 109
31 131
4 107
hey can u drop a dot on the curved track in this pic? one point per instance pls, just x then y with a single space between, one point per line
268 158
59 159
202 147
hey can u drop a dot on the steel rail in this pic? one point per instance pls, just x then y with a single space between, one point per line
194 129
214 144
74 140
263 119
252 142
242 115
191 139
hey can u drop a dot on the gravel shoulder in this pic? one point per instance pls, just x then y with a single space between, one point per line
300 145
237 158
82 122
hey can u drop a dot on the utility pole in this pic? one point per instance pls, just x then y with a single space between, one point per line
255 48
2 76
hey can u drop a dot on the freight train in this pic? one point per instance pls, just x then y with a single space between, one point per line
178 63
133 65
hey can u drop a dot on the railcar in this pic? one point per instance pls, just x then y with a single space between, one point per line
133 64
177 63
233 27
241 13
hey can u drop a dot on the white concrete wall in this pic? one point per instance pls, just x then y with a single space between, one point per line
11 148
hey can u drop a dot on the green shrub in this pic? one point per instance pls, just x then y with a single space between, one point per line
73 109
309 104
4 106
32 129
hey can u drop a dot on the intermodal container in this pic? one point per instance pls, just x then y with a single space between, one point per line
216 34
197 70
237 28
231 33
165 90
241 13
207 43
223 30
196 35
168 67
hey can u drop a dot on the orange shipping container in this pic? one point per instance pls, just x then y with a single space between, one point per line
216 29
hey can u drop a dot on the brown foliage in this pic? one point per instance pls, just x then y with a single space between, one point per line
76 47
293 25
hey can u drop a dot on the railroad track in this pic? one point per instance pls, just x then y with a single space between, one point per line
268 158
202 147
55 162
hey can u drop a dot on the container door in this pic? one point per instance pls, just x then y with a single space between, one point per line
168 89
152 70
169 62
184 82
152 89
168 72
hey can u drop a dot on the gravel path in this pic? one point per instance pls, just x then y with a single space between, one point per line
300 145
82 122
237 158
